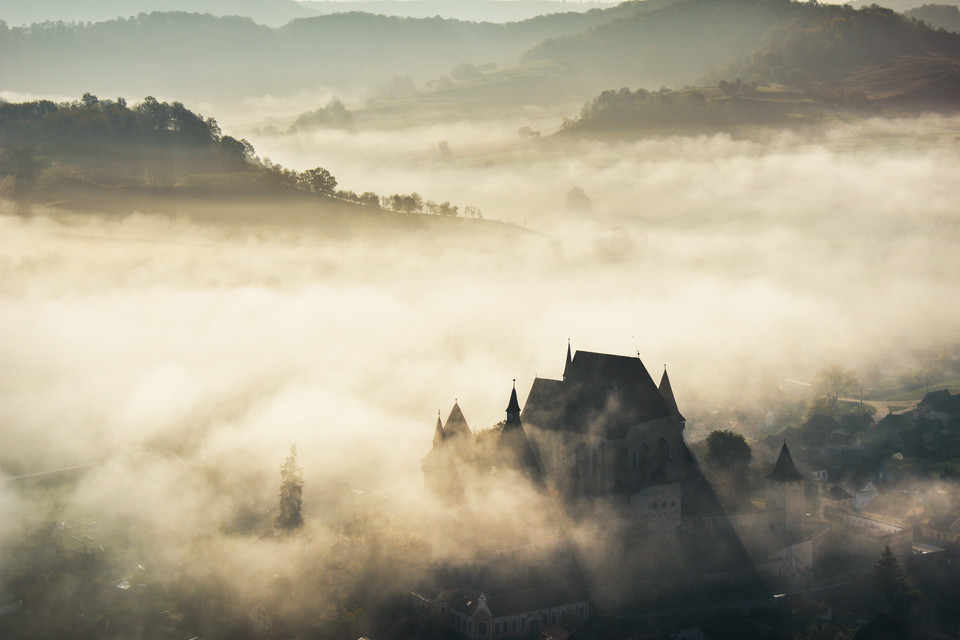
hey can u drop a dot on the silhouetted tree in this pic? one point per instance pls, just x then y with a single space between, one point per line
832 382
291 491
888 577
318 180
728 451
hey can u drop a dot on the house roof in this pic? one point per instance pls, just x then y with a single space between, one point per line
600 393
936 400
836 493
784 470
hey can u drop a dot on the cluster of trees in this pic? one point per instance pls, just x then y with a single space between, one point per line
334 116
830 42
159 143
156 139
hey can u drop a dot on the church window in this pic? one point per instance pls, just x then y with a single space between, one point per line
663 450
514 625
553 617
523 624
482 628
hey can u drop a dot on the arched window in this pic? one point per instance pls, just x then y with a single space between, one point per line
482 628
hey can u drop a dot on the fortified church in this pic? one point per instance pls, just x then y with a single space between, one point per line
606 431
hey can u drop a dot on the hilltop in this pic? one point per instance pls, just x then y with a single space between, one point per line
104 156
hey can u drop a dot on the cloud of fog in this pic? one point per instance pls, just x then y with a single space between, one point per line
188 357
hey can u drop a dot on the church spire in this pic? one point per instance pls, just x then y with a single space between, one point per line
438 433
513 407
566 367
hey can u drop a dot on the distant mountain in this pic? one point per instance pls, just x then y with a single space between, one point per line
267 12
667 46
200 57
900 6
472 10
822 63
874 51
938 16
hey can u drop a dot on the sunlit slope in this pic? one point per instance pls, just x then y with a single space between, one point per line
873 50
104 157
768 40
668 46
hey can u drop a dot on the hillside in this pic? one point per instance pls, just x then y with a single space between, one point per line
938 16
668 46
877 52
104 156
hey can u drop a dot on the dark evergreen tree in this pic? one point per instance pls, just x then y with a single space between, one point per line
888 577
291 491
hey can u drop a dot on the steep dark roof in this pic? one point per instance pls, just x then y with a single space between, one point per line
438 433
785 470
456 423
935 400
600 393
667 392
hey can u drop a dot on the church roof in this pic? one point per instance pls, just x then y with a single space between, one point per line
456 423
438 434
600 392
667 392
785 470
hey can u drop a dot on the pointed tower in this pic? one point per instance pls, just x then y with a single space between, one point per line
513 448
785 491
439 466
456 425
667 392
566 367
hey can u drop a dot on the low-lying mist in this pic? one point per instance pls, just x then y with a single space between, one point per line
186 357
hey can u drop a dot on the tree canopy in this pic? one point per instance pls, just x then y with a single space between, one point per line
728 451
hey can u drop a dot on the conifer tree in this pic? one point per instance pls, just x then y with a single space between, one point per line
291 490
888 577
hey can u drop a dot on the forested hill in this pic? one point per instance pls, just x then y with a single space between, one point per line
196 56
106 152
822 63
938 16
